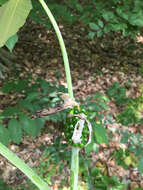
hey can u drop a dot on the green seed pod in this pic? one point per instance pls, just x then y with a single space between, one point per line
70 124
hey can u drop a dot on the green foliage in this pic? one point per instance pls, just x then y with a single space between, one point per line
4 135
100 133
3 185
58 157
38 15
100 16
105 182
118 93
120 157
40 94
15 130
3 1
13 16
95 178
135 148
95 105
30 126
106 16
140 165
10 43
127 117
35 96
60 12
132 113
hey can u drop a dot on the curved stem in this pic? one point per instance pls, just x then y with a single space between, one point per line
23 167
75 151
62 45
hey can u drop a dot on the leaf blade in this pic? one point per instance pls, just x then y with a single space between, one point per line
12 16
15 131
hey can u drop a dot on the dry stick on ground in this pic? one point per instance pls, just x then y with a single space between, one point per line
68 103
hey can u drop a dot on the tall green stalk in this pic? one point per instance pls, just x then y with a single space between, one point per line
75 151
23 167
62 45
74 168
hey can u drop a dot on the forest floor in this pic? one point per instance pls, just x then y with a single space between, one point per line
95 64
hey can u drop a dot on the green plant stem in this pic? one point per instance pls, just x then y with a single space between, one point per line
75 151
23 167
62 45
74 168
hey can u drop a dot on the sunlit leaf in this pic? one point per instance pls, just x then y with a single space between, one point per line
12 16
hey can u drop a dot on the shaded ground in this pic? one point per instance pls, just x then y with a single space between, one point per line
95 66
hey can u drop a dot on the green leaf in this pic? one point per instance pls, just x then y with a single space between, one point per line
4 135
140 166
100 133
92 147
79 7
23 103
103 105
15 131
21 85
45 86
32 96
125 137
97 95
108 15
31 127
11 111
93 26
121 13
3 1
37 14
12 16
136 19
119 26
107 28
91 35
99 33
92 106
15 86
100 23
4 185
10 43
9 87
